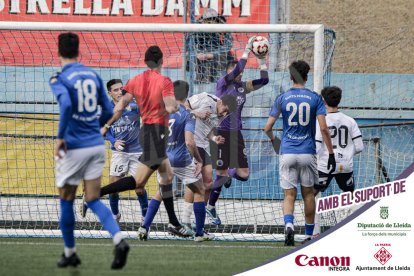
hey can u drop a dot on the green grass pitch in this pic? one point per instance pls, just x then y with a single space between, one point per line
38 256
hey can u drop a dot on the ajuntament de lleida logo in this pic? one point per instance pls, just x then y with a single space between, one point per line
384 212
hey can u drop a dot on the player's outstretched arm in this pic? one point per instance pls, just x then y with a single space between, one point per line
256 84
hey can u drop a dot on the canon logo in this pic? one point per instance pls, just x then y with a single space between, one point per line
304 260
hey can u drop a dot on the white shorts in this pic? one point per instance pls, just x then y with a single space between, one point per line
78 164
124 163
298 168
185 174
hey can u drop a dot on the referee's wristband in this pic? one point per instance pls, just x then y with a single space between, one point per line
107 126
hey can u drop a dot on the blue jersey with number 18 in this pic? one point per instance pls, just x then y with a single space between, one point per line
299 108
79 91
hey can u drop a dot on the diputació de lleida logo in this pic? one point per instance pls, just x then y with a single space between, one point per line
384 212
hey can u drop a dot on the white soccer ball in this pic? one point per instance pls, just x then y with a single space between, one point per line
260 46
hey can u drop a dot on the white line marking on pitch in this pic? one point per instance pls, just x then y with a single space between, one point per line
149 245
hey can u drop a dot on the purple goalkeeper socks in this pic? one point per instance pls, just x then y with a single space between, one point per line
214 196
233 173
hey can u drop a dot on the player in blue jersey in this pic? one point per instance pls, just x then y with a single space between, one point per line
181 149
80 149
232 153
125 146
300 108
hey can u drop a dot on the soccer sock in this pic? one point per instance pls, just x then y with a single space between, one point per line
288 220
143 202
200 216
123 184
106 219
67 226
219 181
167 198
151 212
214 195
309 230
188 209
114 203
233 173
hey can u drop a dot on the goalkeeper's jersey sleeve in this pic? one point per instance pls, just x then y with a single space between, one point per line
344 130
80 90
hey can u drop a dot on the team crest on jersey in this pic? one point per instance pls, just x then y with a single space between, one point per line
240 89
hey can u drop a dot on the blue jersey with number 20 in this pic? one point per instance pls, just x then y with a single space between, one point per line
299 108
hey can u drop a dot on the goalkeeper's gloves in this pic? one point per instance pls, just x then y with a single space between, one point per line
248 48
261 60
331 163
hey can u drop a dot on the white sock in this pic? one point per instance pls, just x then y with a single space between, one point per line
210 207
289 224
188 210
117 238
69 251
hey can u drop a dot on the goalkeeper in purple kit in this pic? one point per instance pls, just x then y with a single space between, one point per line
230 158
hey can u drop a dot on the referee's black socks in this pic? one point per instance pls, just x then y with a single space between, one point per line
123 184
167 197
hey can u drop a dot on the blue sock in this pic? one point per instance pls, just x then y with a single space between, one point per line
143 202
233 173
288 219
309 229
104 215
114 203
200 216
67 222
151 212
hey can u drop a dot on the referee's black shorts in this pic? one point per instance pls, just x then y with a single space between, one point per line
153 139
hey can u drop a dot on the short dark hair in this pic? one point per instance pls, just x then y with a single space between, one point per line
153 56
299 71
181 89
230 101
332 95
68 45
112 82
231 63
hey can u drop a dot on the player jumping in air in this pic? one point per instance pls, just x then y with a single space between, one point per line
300 108
232 153
80 149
